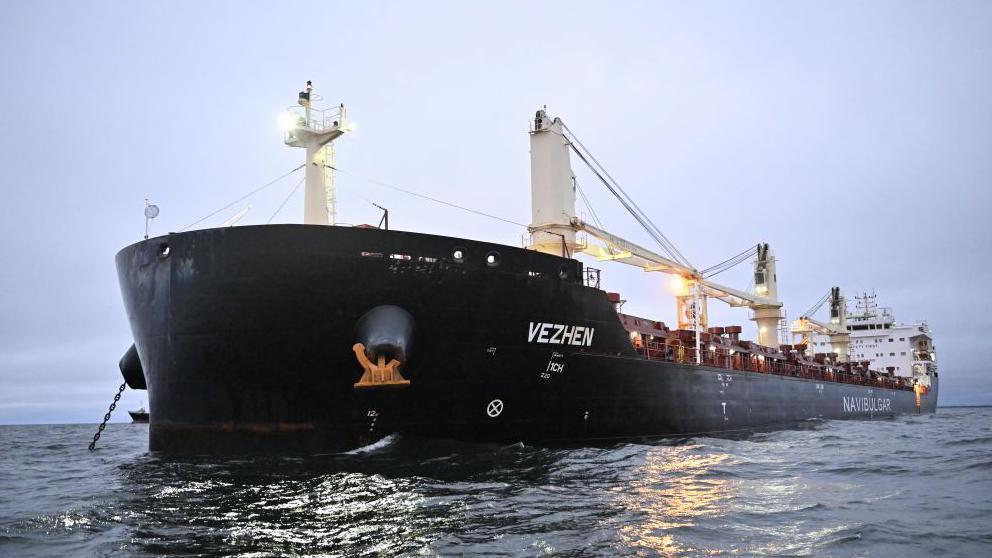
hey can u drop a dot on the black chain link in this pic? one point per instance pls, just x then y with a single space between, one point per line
106 417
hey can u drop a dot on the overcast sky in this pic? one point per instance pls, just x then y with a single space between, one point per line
856 138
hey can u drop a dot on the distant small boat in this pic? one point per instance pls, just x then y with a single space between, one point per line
139 415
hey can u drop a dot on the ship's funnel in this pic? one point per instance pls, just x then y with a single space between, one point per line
386 331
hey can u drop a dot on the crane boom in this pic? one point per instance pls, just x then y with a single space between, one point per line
624 251
734 297
809 325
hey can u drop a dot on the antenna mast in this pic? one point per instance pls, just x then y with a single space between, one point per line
151 212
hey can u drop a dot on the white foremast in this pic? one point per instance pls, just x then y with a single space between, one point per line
314 130
554 226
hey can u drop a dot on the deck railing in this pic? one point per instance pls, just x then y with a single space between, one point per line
746 362
320 120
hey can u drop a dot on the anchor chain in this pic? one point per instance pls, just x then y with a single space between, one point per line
106 417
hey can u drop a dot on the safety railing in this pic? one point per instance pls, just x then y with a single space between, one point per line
319 120
746 362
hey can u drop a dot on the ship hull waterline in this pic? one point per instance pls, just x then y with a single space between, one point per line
246 336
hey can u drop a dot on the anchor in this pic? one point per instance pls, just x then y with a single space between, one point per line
378 374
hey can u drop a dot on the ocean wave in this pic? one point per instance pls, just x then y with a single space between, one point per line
877 488
981 440
867 469
374 446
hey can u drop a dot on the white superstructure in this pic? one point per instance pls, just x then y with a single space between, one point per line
905 349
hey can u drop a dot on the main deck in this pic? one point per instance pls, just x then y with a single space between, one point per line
721 347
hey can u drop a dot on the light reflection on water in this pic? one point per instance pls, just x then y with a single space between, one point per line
670 490
912 486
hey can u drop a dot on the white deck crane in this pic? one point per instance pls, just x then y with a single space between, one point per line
805 327
554 226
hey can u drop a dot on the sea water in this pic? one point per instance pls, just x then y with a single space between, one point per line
911 486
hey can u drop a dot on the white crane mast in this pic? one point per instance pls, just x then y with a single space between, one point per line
552 188
766 316
836 330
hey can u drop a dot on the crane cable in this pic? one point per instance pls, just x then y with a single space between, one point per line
712 272
812 309
626 200
640 219
729 262
585 200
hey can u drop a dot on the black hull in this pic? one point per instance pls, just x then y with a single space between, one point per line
137 416
245 335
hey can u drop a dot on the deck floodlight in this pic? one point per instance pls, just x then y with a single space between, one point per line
288 121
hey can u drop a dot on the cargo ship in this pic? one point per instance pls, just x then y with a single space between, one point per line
139 415
318 337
